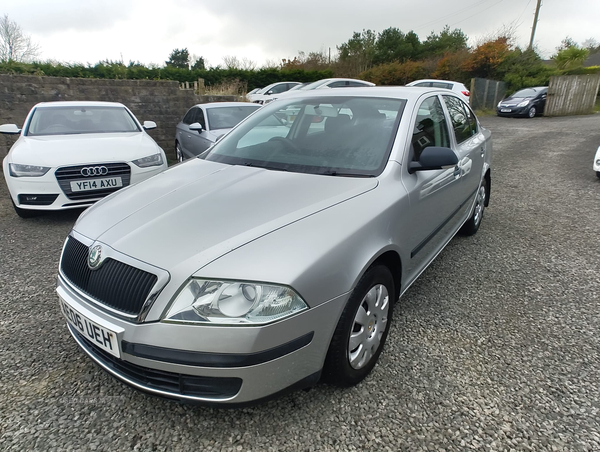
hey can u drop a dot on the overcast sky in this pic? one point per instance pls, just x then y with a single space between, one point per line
88 31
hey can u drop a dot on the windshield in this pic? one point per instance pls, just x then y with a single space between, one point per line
78 120
337 136
228 117
314 85
528 92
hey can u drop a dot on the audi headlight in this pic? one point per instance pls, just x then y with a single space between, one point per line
151 160
16 170
233 302
523 104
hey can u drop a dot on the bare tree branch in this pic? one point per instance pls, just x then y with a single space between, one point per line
14 44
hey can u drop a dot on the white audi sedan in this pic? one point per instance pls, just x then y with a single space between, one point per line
72 154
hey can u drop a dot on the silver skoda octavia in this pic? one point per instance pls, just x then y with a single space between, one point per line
274 259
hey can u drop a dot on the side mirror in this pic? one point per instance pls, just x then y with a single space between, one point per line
10 129
196 126
269 92
434 158
149 125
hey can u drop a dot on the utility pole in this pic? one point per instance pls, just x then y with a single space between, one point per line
535 21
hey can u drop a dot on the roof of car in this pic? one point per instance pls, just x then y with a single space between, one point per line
69 103
411 93
227 104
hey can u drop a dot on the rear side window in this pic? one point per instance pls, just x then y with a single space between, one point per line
430 128
441 85
463 119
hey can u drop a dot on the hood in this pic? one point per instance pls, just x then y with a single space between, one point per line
59 150
515 100
195 212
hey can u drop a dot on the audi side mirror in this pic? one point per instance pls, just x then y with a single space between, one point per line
10 129
148 125
434 158
196 126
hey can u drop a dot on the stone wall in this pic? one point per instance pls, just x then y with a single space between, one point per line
150 100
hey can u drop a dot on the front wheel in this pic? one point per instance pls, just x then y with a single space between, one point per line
362 329
598 174
473 223
531 112
179 153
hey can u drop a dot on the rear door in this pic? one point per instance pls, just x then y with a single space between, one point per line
469 146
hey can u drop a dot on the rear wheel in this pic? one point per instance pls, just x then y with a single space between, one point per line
25 213
362 329
473 223
598 174
531 112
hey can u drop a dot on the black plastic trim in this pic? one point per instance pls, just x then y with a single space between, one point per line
223 360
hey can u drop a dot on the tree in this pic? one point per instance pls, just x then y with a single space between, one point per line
393 45
486 59
446 41
179 59
198 63
14 44
357 54
565 44
571 57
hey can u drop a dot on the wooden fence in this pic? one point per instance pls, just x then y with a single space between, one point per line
572 95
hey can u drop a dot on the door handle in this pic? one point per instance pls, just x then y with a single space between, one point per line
456 172
482 150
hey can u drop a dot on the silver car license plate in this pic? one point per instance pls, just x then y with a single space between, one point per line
96 184
503 110
100 336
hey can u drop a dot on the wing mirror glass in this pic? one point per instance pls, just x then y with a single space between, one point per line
10 129
434 158
196 126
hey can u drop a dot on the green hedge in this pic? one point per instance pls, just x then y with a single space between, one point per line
109 70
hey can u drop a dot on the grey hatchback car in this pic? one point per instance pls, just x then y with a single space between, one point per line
303 226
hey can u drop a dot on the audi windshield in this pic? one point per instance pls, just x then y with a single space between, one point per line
336 136
78 120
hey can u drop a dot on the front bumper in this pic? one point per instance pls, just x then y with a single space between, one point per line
513 111
46 187
212 364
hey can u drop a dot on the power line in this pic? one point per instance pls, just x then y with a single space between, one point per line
476 14
420 27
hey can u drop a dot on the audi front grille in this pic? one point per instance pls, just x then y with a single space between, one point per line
67 174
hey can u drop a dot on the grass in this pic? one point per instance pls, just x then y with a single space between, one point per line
485 112
233 87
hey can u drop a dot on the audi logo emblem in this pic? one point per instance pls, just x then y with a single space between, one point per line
94 171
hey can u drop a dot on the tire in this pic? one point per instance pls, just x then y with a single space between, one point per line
362 329
179 153
598 174
531 112
473 223
25 213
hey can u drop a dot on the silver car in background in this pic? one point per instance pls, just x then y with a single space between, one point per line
304 225
204 124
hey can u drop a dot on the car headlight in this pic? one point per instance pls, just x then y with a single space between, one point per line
499 104
523 104
151 160
16 170
233 302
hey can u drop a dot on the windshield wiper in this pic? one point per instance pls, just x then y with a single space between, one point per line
343 174
254 165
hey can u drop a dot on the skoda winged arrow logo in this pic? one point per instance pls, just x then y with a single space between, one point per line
95 256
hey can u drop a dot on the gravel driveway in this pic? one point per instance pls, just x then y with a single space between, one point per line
496 347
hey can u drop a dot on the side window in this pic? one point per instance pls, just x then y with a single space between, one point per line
279 88
338 84
441 85
430 127
354 84
463 123
424 84
189 116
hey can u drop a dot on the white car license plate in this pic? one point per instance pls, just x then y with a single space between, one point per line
96 184
100 336
503 110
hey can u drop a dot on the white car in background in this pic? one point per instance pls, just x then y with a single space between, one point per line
325 83
72 154
457 87
260 96
596 165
